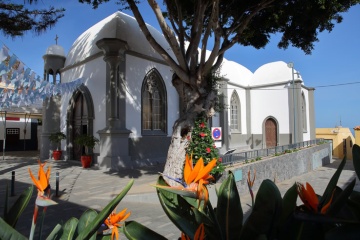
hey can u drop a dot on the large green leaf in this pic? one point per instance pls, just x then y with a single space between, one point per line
69 229
340 201
356 159
86 218
229 212
266 212
8 232
289 205
19 206
134 230
332 185
208 217
178 210
99 219
55 233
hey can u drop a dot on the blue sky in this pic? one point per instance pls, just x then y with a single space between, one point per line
335 59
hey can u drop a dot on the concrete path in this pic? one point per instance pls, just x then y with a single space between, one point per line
81 189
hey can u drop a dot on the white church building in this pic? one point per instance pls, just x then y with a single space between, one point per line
128 102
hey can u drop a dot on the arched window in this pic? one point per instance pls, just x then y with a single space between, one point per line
235 113
154 104
303 111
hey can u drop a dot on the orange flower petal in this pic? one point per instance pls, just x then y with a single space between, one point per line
36 182
325 208
194 173
200 232
204 173
188 167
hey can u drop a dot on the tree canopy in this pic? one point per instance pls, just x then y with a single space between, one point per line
16 19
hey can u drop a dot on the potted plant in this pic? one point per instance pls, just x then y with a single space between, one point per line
56 139
89 142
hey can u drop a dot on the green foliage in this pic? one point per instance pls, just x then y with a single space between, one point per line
88 141
84 228
202 145
271 217
57 137
19 206
16 19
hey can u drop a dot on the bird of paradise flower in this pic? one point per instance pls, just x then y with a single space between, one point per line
310 199
43 199
113 222
194 180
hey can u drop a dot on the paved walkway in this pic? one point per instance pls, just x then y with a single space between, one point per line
81 189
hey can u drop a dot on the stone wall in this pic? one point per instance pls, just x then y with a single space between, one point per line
282 167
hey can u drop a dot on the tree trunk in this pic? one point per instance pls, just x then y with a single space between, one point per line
194 105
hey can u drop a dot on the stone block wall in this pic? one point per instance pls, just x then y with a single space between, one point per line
283 167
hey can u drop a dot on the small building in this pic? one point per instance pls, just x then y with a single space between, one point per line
342 140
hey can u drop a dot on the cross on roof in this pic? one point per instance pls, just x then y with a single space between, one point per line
56 39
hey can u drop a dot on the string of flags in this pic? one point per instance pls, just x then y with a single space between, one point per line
19 85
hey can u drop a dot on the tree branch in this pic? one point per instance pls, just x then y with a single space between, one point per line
169 34
167 58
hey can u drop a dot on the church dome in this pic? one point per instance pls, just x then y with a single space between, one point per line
118 25
235 72
55 50
272 73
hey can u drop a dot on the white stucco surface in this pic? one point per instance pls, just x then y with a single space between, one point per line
118 25
269 102
136 70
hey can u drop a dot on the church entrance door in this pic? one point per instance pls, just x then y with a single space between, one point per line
271 133
80 124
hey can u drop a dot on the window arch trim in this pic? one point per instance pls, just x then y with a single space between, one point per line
156 107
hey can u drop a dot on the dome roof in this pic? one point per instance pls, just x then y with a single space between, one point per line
270 73
235 72
55 50
118 25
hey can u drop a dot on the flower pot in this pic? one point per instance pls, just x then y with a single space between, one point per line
85 161
57 154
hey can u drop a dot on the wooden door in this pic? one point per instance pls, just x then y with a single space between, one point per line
80 124
270 133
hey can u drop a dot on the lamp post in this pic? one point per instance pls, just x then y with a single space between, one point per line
291 65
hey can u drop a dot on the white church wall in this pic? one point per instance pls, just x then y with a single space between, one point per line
136 70
95 80
269 101
306 135
242 98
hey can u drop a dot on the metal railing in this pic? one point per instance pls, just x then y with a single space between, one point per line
231 158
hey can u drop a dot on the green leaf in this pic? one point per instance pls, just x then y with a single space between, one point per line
229 212
356 159
99 219
69 229
8 232
19 206
55 233
289 204
134 230
341 200
185 193
86 218
178 210
265 213
331 185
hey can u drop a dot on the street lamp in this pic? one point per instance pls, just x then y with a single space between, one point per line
291 65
